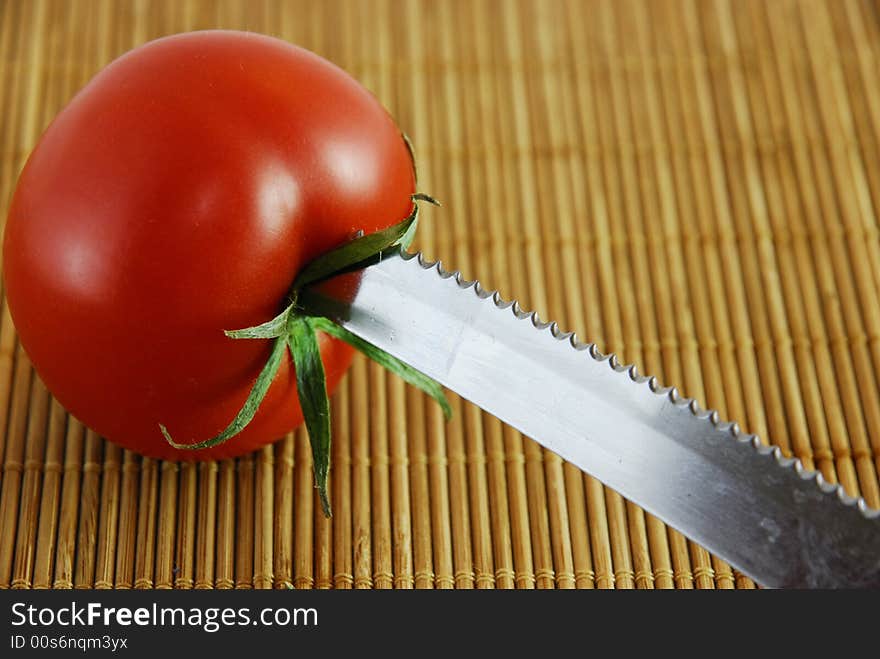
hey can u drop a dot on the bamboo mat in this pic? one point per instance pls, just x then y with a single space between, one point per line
694 185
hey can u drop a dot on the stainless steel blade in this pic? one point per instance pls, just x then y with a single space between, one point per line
764 514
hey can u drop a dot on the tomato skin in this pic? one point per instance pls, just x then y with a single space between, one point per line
177 195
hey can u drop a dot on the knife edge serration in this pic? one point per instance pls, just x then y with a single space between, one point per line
691 405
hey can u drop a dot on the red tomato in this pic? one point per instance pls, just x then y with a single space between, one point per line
175 197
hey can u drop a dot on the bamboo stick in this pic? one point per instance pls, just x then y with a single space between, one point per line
206 525
127 523
35 443
360 478
166 525
283 516
13 464
224 574
263 518
108 517
243 540
423 564
303 516
342 571
53 470
11 39
86 537
73 456
184 550
323 548
145 543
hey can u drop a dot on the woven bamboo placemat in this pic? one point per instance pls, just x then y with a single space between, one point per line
694 185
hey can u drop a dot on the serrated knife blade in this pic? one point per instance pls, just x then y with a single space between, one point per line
765 514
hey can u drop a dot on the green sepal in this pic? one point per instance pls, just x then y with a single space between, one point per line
311 386
406 239
421 196
393 364
412 155
268 330
360 252
249 409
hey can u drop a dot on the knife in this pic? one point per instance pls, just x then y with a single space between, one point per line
765 514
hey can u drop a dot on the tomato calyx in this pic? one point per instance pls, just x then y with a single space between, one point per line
295 330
